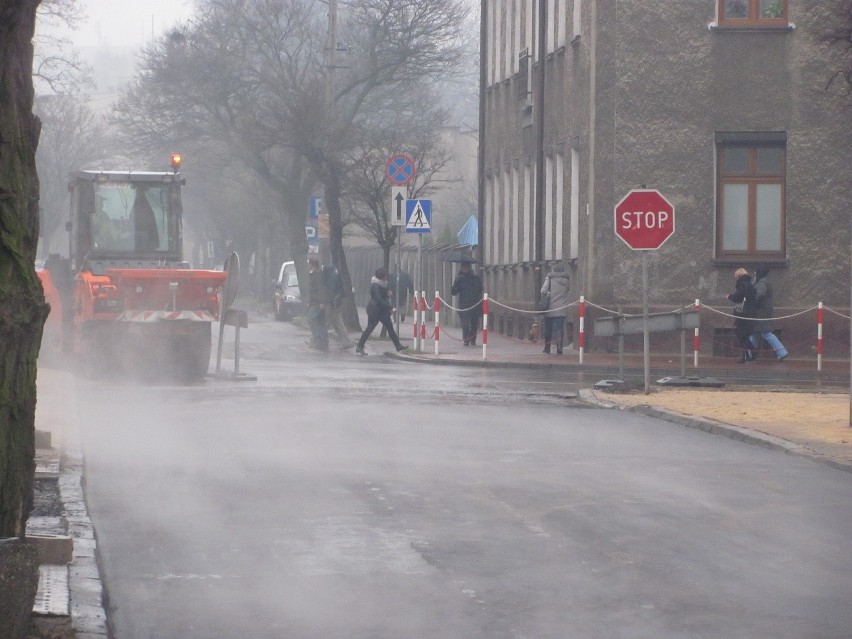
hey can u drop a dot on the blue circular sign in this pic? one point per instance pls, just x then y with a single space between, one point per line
399 169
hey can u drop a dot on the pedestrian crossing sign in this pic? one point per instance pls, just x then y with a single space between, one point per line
418 216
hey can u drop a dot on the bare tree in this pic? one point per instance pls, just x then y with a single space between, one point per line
217 90
56 63
72 136
248 80
22 306
392 47
368 193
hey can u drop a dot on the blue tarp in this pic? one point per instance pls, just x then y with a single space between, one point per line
469 233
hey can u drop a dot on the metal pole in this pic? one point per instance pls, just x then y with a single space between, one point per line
646 342
538 104
399 310
221 337
620 343
418 344
237 347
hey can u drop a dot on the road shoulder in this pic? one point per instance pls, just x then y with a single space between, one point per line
806 424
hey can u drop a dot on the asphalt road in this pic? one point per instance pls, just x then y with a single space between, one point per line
341 496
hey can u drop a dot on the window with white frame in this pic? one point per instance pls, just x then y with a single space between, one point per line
523 78
751 193
518 6
574 230
576 22
529 44
562 22
558 197
551 25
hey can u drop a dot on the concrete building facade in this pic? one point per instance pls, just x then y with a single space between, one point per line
721 105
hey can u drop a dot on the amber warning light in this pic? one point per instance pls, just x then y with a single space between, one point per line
176 162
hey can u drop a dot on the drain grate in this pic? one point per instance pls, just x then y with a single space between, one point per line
52 596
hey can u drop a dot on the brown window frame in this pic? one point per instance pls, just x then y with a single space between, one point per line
753 19
752 178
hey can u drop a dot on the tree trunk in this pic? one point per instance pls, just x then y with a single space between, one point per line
22 306
331 182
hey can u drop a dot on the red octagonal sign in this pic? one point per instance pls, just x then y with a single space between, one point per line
644 219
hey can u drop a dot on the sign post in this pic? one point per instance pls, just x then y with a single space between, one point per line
398 199
399 171
645 220
418 219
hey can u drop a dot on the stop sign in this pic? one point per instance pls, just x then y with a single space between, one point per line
644 219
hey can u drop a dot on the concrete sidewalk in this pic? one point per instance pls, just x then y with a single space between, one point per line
502 351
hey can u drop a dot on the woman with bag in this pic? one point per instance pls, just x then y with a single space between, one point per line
555 291
743 298
379 309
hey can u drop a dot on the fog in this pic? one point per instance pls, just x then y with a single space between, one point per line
123 23
365 497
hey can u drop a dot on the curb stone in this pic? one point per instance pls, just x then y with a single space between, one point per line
731 431
88 617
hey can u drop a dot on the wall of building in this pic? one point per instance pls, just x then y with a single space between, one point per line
636 99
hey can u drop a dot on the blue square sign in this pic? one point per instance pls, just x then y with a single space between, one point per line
418 216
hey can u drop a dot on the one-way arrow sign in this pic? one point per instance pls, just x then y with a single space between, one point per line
398 194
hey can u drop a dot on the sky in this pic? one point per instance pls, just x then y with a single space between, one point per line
128 23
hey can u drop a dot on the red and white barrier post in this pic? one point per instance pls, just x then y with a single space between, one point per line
581 339
820 318
415 309
424 306
484 326
696 339
437 323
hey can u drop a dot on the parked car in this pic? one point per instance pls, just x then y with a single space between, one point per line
286 298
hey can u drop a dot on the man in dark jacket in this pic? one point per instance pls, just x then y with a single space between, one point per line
318 299
379 309
468 287
764 308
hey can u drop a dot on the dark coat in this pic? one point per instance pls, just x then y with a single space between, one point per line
379 304
317 288
764 302
468 286
744 292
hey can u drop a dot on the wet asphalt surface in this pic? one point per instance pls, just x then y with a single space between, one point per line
364 497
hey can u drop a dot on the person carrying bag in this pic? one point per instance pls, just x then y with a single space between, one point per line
555 293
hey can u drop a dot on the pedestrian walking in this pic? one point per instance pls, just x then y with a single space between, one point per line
764 308
556 286
743 298
336 293
399 283
379 309
468 286
318 300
